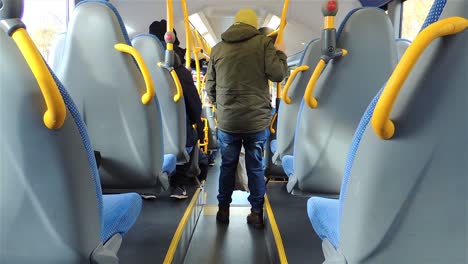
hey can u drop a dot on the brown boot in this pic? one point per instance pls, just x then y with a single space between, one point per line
223 215
256 219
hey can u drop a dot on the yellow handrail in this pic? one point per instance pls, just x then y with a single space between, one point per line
56 112
381 123
170 22
308 95
180 92
272 124
188 40
204 145
148 96
285 96
279 39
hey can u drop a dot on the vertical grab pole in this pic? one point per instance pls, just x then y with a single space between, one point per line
279 39
188 40
189 43
169 37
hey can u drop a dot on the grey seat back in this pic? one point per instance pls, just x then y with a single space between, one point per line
48 199
56 51
343 91
406 200
107 86
402 45
287 113
173 114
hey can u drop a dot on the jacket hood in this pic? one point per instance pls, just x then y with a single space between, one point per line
239 32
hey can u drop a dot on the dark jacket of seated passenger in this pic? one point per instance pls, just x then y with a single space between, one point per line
237 78
193 105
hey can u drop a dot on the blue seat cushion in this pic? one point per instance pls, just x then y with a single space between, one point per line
288 165
324 215
273 145
120 213
169 164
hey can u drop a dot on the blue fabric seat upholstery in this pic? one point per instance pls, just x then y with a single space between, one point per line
324 214
120 212
288 165
273 145
169 164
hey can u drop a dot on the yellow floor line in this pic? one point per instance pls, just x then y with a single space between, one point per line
180 229
276 232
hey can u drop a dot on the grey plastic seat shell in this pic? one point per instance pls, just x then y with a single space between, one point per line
343 91
48 203
56 51
287 114
107 87
402 46
407 198
173 114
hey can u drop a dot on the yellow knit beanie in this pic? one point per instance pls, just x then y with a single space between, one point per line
247 16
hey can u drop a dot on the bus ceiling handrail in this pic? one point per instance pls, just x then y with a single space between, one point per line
150 93
288 84
383 127
54 116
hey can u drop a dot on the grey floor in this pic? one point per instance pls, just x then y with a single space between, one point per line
301 243
214 243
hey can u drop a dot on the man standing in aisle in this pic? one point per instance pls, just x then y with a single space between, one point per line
237 82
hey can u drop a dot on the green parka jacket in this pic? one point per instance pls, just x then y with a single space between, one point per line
237 78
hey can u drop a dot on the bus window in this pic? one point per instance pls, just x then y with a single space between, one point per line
45 19
414 14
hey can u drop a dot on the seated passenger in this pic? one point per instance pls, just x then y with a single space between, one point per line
197 167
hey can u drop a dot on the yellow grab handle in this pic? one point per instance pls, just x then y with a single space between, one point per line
284 94
148 96
308 96
180 92
273 120
56 112
279 39
381 123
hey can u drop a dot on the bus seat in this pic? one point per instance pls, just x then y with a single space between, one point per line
402 45
347 84
287 113
274 145
173 114
288 165
108 87
51 204
405 198
56 51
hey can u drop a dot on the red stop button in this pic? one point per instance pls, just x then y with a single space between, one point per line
331 6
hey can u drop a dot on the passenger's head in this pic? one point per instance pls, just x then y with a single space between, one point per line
247 16
159 28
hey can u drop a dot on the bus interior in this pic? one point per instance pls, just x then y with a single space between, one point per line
364 162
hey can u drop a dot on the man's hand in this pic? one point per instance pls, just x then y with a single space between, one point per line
280 47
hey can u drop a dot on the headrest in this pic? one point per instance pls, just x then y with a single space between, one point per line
117 14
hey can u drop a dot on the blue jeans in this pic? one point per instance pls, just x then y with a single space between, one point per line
230 146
